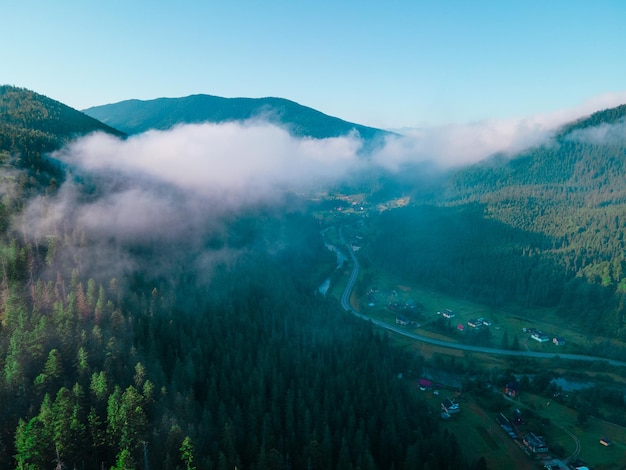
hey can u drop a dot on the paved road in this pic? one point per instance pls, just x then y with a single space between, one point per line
345 303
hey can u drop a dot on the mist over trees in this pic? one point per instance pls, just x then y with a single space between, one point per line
149 323
248 369
198 345
545 229
254 371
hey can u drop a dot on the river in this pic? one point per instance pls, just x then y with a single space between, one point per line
341 258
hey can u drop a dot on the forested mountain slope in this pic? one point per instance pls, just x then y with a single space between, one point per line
135 116
206 347
32 124
599 118
541 229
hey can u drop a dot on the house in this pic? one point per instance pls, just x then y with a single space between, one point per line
558 340
447 313
578 465
534 444
400 320
555 464
541 337
425 384
512 389
450 406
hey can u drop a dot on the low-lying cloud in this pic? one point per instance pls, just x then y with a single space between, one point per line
607 134
462 144
163 183
177 186
245 162
456 145
176 190
229 159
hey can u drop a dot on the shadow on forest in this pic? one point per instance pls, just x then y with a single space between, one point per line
460 251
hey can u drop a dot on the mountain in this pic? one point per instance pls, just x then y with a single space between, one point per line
23 111
135 116
603 117
209 349
32 124
212 349
545 228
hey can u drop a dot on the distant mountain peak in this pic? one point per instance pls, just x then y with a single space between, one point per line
136 116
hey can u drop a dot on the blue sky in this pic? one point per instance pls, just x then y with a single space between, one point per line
386 64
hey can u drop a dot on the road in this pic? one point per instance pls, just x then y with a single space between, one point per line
345 303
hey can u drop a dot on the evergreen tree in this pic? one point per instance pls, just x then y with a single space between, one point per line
186 454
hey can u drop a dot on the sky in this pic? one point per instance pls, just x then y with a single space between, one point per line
396 64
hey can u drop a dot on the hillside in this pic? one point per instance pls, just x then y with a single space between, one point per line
206 344
31 124
603 117
545 228
135 116
201 345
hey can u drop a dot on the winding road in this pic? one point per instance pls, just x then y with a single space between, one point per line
345 303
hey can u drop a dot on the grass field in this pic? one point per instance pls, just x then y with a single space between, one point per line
476 430
479 434
597 455
510 321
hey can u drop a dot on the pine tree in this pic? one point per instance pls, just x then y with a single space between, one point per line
124 461
186 454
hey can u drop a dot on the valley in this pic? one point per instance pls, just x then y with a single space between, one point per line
220 292
480 354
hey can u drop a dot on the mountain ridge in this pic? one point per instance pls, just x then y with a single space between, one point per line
32 125
604 116
20 107
135 116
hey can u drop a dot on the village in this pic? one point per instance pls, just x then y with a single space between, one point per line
522 426
510 426
519 425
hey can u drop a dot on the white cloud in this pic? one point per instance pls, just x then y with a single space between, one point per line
609 134
252 159
174 187
163 183
455 145
590 106
463 144
178 184
239 160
